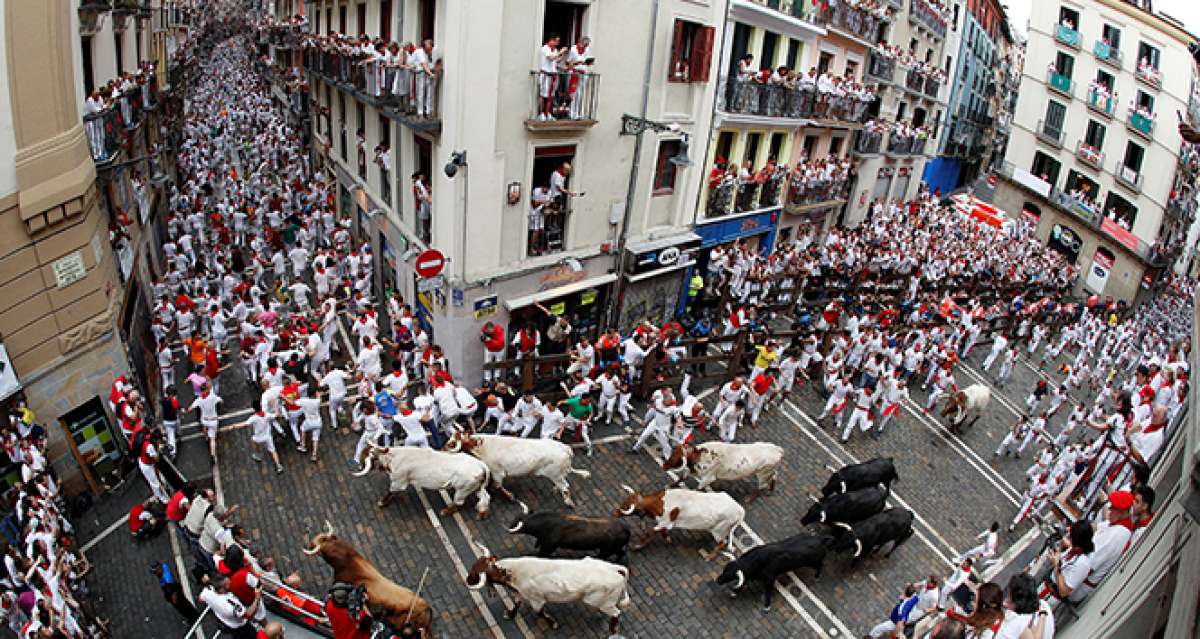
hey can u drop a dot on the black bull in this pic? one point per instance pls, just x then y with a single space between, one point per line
767 562
871 534
848 507
880 470
605 536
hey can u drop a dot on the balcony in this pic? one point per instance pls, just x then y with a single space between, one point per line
1141 123
551 238
932 87
1049 134
105 134
904 145
406 96
808 194
727 196
881 68
924 15
793 8
1149 76
1060 83
1101 103
721 196
750 97
1128 177
563 101
1090 155
852 21
914 81
1066 35
867 143
1107 53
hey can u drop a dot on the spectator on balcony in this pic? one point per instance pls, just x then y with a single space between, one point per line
423 201
547 80
558 186
579 62
426 69
539 199
747 187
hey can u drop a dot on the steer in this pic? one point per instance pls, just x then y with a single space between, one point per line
869 473
874 532
968 402
717 513
848 507
398 605
538 581
714 461
432 470
517 457
607 537
765 563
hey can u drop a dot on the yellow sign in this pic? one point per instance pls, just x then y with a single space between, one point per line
587 297
558 309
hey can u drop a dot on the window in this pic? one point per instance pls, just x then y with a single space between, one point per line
1064 64
691 52
824 62
385 20
556 214
1120 210
793 54
949 59
329 20
1134 154
912 45
565 19
664 168
342 123
918 116
810 146
851 69
1055 114
769 47
361 15
1095 135
750 153
901 111
776 146
1082 185
119 47
1148 54
1046 167
427 16
89 82
317 22
1111 35
1105 79
1068 18
342 19
1145 101
724 147
835 146
956 17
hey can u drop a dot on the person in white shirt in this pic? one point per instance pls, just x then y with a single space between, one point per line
1024 611
425 70
206 405
579 60
985 550
228 610
260 434
548 57
1110 539
310 428
1071 563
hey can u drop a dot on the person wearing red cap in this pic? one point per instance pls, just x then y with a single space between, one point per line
1110 539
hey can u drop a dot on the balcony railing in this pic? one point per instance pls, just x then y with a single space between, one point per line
1128 177
867 142
1049 134
932 87
853 21
1140 124
551 238
794 8
925 15
749 97
807 193
105 134
1066 35
898 145
1149 75
881 68
562 101
1089 155
914 81
1105 52
721 197
409 95
1060 83
1102 104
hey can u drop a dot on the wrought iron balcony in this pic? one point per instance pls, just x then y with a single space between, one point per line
1101 104
1066 35
923 14
1107 53
881 68
749 97
91 16
1149 76
867 142
1050 134
803 193
853 21
1141 124
562 101
1089 155
105 134
1060 83
1128 177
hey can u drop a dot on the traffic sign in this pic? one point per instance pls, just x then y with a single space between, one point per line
430 263
430 284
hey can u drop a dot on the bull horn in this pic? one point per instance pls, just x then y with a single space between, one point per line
731 556
813 496
454 445
524 507
480 584
857 547
830 468
741 580
843 483
822 516
628 511
311 551
328 528
842 524
482 548
366 467
518 527
626 488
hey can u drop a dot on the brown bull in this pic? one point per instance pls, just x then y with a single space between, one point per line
385 599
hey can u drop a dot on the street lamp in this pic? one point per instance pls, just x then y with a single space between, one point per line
637 126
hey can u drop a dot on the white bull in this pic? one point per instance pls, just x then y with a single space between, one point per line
968 402
516 457
716 512
432 470
720 461
537 582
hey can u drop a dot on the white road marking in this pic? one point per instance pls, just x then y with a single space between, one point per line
846 455
994 478
104 533
1008 556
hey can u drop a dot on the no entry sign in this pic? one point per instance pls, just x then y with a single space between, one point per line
430 263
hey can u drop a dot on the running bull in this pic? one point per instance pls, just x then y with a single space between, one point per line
718 513
432 470
880 470
517 457
398 606
538 581
608 538
968 402
719 461
871 534
766 562
848 507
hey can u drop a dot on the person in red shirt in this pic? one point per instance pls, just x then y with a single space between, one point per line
760 388
492 336
344 623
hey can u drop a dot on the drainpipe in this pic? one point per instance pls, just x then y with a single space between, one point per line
619 260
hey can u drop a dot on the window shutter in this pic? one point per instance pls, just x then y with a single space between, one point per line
702 54
673 72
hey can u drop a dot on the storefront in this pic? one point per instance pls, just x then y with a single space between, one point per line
755 230
582 301
656 276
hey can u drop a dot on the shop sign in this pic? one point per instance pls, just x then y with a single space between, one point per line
9 383
431 283
587 297
69 269
664 257
560 276
456 297
668 256
558 308
1097 276
486 306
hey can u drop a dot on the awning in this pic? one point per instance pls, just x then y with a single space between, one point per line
560 291
660 271
654 245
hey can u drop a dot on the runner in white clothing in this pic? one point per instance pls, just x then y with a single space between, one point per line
206 405
310 428
260 435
